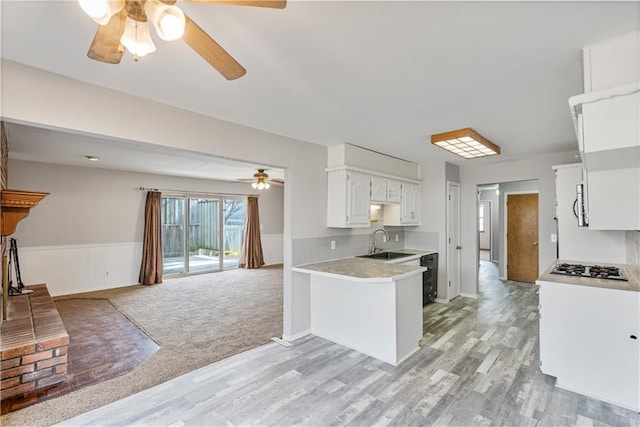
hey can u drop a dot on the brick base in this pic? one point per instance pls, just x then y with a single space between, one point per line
33 352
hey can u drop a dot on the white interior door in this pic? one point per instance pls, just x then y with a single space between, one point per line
453 239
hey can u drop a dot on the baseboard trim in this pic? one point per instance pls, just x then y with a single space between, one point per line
441 301
297 336
474 296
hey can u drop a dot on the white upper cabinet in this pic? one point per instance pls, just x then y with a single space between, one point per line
582 243
612 62
349 199
378 189
351 192
394 191
409 209
614 199
410 205
384 190
607 121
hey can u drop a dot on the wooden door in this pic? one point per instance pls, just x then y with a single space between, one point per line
522 237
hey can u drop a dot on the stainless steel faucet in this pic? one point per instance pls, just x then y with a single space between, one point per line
373 248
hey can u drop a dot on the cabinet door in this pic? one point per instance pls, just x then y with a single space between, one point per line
586 341
552 328
410 205
378 189
613 62
394 191
613 199
358 199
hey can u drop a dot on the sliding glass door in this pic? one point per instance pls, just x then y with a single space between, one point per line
173 209
234 214
204 235
201 234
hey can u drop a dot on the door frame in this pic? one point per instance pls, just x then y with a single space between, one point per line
491 231
187 197
453 274
506 222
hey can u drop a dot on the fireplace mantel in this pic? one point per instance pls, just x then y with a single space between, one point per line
16 205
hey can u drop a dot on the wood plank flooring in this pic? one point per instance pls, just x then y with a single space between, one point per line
103 344
478 365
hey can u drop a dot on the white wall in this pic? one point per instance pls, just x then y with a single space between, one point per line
434 176
87 233
39 98
536 167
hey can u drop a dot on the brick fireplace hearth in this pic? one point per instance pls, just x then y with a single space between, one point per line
34 345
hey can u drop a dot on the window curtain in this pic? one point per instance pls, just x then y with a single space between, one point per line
251 254
151 267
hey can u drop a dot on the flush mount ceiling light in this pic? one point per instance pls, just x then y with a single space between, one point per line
465 143
92 158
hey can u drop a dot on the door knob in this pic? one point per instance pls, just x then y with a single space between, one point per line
535 243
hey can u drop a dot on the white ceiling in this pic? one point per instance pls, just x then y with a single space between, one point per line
384 75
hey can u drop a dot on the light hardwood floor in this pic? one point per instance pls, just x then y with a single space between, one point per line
478 365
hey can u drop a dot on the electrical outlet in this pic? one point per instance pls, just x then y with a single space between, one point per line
333 244
397 238
554 238
106 273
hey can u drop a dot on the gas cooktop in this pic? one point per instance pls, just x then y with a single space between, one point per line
594 271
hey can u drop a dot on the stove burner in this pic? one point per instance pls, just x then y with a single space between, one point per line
595 271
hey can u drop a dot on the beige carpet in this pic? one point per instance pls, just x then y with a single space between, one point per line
196 320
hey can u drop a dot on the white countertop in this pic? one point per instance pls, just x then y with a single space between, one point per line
630 285
368 270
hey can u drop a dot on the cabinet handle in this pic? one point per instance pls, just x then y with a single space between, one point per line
633 337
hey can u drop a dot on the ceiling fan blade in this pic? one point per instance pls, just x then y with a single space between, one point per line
275 4
106 46
211 51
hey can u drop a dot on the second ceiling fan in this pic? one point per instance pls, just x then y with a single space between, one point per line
124 24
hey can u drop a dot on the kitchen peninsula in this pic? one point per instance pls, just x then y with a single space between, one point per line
371 306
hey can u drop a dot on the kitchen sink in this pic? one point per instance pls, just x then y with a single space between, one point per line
386 255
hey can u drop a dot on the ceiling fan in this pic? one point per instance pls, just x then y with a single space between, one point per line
125 24
261 180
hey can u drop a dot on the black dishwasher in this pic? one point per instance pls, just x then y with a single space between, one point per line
429 278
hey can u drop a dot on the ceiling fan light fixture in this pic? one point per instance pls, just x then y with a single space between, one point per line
260 182
169 21
101 11
465 143
137 38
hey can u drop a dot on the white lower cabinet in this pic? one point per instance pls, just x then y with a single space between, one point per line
587 341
